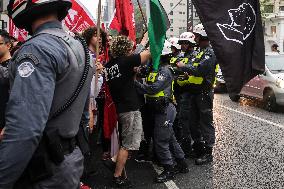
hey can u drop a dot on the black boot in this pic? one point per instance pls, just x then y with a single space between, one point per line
186 146
198 150
181 166
166 175
207 157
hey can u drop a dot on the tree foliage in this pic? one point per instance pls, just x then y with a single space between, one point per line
265 7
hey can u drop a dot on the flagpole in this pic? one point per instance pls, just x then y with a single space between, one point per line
174 7
143 16
98 43
148 10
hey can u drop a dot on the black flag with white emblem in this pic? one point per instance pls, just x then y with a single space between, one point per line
234 28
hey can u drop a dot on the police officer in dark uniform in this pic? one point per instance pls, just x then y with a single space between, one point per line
181 86
159 95
175 46
202 73
50 81
5 56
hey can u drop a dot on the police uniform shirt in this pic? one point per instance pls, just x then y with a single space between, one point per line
4 91
206 67
163 81
33 74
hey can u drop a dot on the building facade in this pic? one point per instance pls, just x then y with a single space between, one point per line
274 24
4 19
178 16
108 11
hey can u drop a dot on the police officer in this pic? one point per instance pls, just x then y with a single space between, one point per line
50 82
201 73
182 83
159 95
5 56
175 46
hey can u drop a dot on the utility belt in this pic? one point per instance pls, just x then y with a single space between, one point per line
68 145
196 90
162 99
159 104
49 154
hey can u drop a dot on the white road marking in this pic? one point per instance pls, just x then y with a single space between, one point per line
170 184
251 116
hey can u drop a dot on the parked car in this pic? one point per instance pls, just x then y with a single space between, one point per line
269 86
220 85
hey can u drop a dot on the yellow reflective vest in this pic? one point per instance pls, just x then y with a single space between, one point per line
193 79
152 78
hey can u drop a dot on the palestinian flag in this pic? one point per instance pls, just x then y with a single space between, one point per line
157 28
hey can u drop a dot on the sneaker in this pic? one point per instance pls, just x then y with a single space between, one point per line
110 165
121 182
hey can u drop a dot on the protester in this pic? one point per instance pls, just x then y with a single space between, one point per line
46 105
5 57
15 47
14 41
120 78
97 95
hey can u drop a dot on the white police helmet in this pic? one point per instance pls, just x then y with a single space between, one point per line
174 42
187 36
199 29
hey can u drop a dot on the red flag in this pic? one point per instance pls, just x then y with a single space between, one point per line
123 20
110 118
19 34
77 20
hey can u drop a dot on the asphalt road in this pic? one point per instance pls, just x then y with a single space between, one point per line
249 153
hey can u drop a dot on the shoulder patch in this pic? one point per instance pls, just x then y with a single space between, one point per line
207 57
26 69
28 56
161 78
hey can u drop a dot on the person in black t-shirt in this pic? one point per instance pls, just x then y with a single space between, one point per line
5 56
120 74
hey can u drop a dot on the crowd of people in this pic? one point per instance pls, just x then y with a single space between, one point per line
58 89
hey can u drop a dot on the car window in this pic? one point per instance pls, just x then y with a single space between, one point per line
275 63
